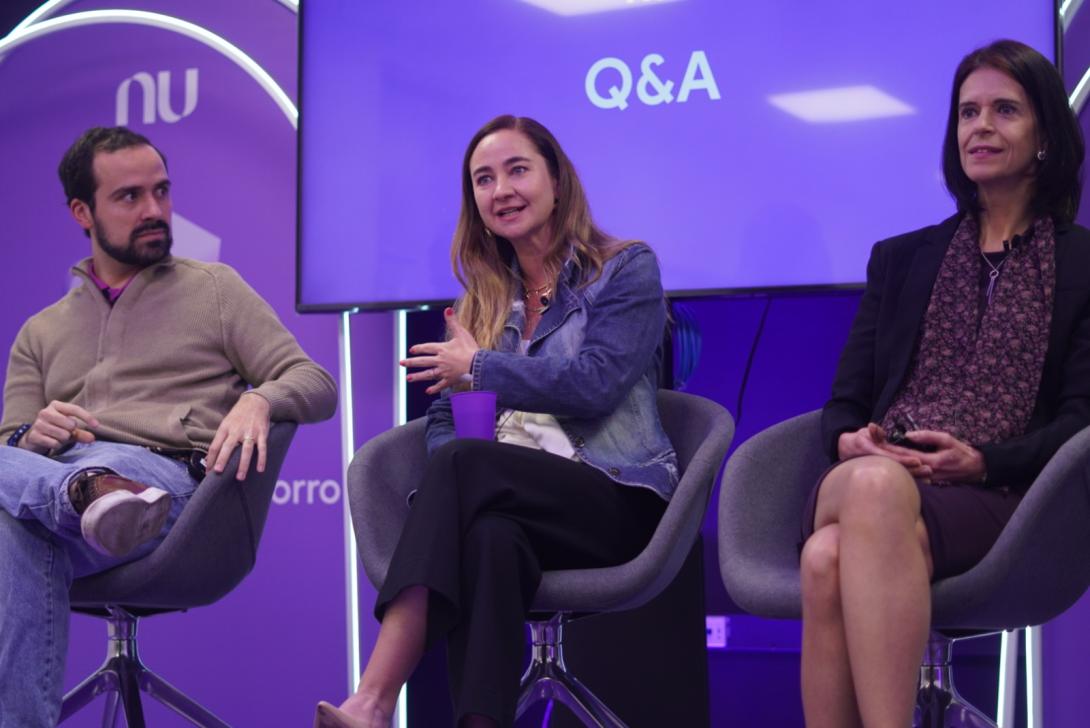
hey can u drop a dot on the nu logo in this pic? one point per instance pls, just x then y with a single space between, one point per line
156 97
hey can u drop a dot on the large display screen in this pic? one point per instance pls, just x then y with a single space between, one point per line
753 144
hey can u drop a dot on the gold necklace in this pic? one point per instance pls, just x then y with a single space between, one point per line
543 294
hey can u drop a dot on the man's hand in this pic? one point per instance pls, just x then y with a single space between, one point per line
871 440
57 425
447 361
247 424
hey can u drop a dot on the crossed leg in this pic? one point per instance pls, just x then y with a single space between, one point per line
398 649
866 573
487 519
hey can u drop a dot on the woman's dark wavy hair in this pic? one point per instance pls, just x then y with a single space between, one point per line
1058 185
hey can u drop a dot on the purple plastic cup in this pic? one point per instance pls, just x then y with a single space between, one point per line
474 414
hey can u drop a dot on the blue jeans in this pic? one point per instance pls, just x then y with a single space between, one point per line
42 551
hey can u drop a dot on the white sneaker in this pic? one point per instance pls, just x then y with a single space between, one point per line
118 521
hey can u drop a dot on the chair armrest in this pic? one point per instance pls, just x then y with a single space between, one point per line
382 474
700 431
1038 567
208 551
765 487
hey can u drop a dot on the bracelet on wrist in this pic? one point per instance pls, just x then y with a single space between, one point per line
16 436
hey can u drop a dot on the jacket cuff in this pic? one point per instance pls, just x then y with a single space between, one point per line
1000 470
475 368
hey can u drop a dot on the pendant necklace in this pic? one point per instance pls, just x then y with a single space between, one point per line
993 274
542 295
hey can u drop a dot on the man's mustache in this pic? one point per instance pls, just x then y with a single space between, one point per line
151 227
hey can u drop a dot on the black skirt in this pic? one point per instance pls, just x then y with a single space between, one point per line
962 521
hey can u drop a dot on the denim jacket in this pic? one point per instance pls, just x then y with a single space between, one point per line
593 363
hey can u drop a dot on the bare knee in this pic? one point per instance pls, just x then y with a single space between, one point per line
925 546
820 568
878 492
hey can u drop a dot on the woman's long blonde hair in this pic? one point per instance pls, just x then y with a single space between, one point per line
482 262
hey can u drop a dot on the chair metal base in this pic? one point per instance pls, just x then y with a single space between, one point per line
122 678
938 704
547 678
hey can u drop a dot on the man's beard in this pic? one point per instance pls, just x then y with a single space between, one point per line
151 252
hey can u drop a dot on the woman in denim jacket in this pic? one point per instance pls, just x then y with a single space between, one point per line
565 324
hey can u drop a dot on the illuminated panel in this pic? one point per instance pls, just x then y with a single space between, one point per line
1081 93
850 103
41 13
667 112
585 7
1068 10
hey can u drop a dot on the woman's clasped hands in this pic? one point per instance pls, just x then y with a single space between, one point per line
952 460
446 362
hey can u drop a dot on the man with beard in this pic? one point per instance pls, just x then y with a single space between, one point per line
116 399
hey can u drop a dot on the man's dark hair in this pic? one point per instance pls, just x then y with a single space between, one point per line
1057 188
76 169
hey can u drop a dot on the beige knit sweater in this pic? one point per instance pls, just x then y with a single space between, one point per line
166 362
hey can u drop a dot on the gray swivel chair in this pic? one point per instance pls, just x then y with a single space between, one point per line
207 553
1036 570
387 467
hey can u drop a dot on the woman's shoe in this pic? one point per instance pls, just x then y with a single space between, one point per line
329 716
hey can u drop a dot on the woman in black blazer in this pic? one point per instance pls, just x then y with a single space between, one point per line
967 367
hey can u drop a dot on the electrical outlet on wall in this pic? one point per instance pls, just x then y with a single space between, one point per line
717 629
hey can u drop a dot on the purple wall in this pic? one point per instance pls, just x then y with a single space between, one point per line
267 652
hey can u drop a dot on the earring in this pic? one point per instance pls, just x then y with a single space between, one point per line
487 232
1041 155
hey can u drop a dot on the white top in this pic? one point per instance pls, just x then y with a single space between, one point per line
534 429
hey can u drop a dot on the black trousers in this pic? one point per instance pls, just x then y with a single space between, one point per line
488 518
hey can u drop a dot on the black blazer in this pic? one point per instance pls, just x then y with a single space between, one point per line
886 331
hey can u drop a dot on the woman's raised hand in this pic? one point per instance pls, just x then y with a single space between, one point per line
446 362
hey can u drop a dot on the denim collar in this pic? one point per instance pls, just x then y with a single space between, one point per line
565 301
